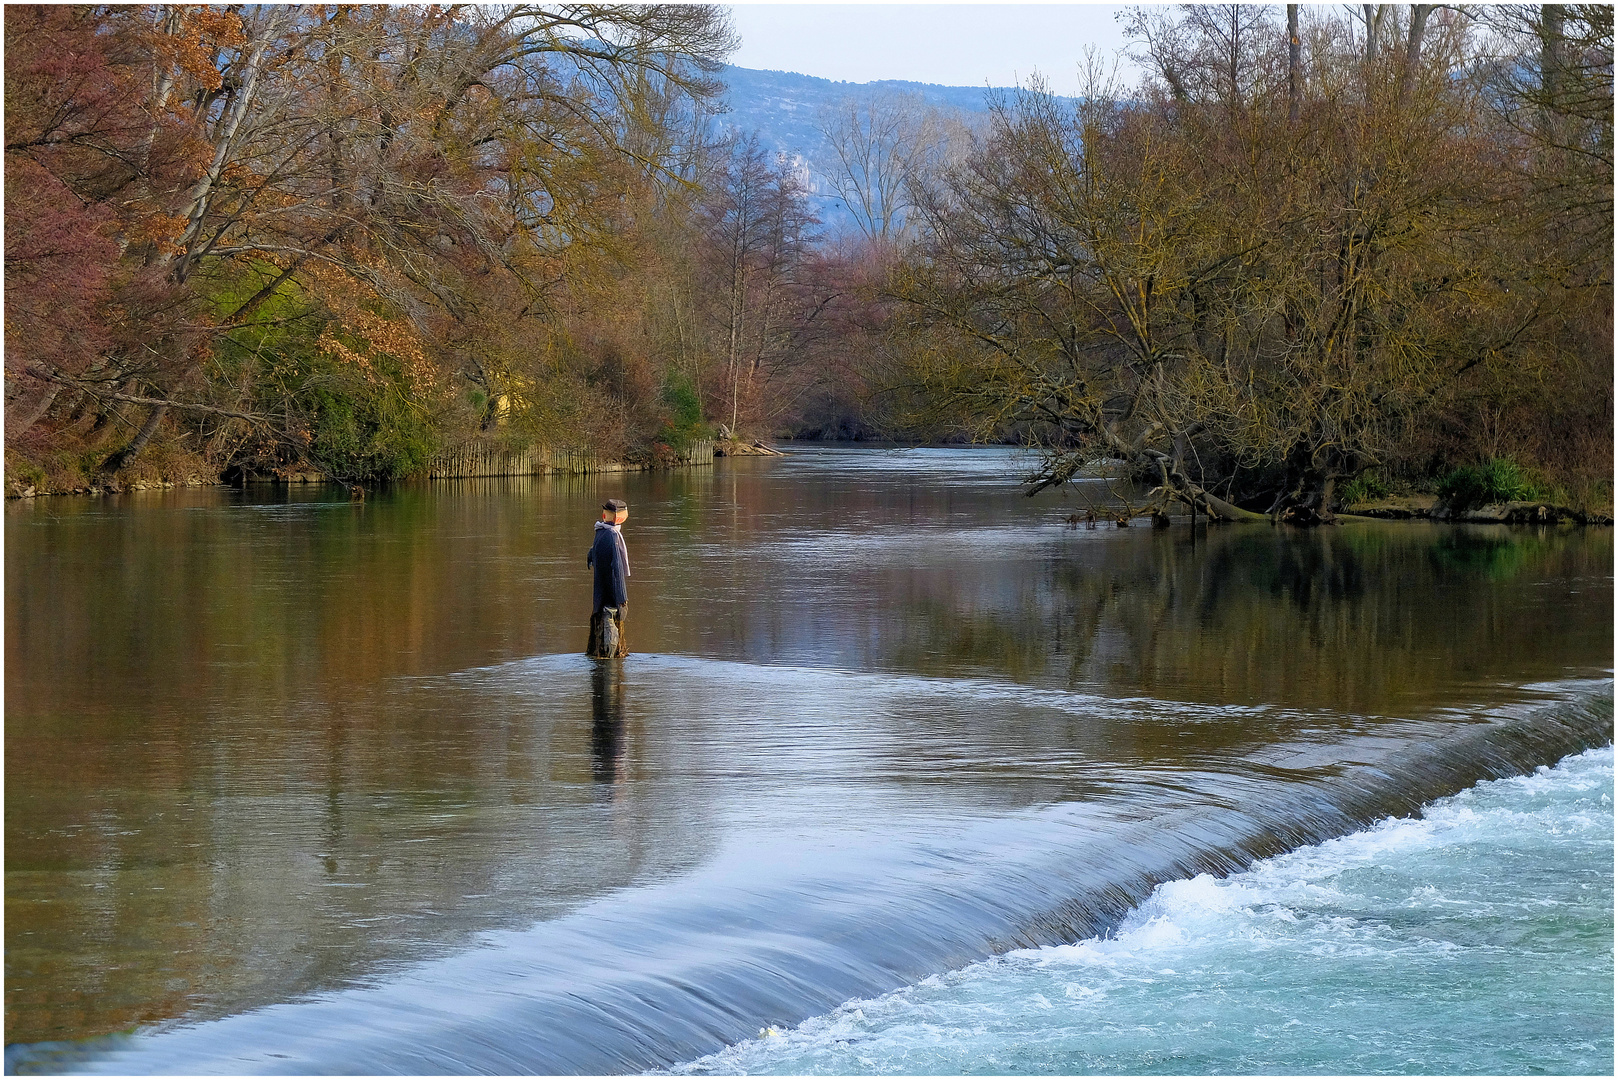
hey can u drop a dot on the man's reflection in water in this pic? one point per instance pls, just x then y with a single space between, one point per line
607 732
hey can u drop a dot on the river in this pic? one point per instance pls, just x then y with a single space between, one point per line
297 784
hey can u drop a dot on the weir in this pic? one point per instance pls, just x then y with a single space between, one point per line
653 976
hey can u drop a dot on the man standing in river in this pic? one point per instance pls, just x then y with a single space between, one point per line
610 559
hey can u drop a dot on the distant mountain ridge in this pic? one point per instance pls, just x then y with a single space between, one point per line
761 94
784 108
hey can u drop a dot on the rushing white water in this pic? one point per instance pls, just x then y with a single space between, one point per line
1477 938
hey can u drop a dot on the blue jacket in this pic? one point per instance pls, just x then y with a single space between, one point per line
610 558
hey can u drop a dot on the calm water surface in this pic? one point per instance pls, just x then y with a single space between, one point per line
269 748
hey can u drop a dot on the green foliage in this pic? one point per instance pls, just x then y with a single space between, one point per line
22 472
1366 486
363 430
682 422
1496 481
349 422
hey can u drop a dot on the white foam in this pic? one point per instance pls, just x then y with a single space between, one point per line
1270 969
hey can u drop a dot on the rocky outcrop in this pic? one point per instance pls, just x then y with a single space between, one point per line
22 489
1408 506
1527 512
1524 513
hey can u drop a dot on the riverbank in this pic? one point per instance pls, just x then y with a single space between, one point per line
1524 512
476 460
469 461
1412 508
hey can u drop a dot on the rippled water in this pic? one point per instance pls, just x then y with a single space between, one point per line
1475 938
299 785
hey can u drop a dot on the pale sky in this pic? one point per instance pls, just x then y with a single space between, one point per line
951 44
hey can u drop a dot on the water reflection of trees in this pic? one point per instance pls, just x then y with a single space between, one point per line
1361 618
173 864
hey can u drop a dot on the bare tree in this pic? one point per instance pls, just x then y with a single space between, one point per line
1419 14
757 226
1554 89
883 144
1210 53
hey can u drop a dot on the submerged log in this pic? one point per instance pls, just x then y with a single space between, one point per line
1177 487
1220 510
727 446
607 635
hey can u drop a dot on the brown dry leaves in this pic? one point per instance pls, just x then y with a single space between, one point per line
360 337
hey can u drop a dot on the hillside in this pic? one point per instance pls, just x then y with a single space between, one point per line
784 109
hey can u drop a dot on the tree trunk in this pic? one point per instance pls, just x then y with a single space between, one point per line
1553 19
607 634
1220 510
123 458
1373 24
1305 498
1177 487
1412 61
1294 66
738 302
27 418
1313 504
202 192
